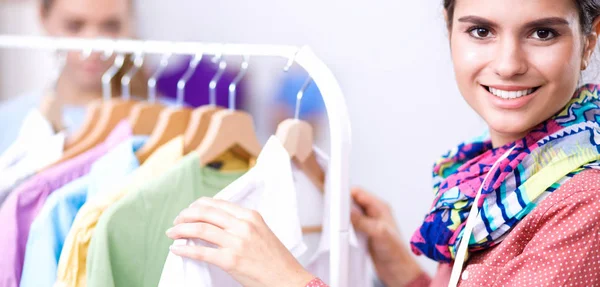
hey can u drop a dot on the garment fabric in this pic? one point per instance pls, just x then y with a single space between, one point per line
24 203
73 259
129 245
541 162
14 111
286 200
557 244
36 147
51 226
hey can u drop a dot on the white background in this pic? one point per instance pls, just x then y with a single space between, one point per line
391 58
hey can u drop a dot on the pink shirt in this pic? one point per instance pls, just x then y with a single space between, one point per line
557 244
23 204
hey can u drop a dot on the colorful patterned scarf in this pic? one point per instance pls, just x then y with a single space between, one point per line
550 154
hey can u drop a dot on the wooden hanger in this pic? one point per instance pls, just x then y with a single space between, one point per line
297 138
113 112
144 116
92 116
230 130
198 127
172 122
201 117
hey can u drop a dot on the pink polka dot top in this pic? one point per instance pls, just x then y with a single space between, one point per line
557 244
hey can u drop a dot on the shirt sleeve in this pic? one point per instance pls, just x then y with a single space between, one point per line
564 249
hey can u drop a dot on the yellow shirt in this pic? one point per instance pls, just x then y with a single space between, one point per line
72 262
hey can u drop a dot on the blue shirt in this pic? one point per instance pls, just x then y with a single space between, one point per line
51 226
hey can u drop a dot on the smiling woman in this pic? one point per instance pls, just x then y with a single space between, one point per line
523 202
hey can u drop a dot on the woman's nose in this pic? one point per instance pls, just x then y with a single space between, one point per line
510 59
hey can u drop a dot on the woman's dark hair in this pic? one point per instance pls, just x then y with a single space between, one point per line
588 11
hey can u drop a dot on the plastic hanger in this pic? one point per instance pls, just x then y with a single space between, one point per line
230 130
91 117
113 112
144 115
297 138
201 117
172 122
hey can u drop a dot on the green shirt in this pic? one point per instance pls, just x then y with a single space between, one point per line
129 246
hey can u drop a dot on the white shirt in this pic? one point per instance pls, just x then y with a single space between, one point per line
276 190
36 147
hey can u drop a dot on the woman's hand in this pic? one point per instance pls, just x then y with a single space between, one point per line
247 249
393 261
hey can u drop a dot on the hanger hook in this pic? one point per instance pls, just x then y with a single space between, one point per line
109 74
291 61
188 74
86 53
164 62
138 61
236 81
212 87
300 95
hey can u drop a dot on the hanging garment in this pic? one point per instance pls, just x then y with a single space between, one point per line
34 128
72 263
267 188
24 203
317 262
36 147
12 118
14 111
547 157
129 245
286 199
51 226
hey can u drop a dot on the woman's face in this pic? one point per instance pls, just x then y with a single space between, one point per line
517 62
87 19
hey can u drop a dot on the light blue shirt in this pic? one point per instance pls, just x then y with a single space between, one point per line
50 228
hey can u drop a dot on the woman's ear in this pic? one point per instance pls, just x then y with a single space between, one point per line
590 43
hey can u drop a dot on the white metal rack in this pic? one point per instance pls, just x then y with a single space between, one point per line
335 105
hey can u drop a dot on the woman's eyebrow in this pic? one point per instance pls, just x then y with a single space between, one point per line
477 21
550 21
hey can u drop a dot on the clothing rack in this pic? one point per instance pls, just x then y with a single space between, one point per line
339 123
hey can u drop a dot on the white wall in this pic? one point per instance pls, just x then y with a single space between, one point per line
21 71
391 58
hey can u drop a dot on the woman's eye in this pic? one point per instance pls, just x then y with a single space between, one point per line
543 34
480 33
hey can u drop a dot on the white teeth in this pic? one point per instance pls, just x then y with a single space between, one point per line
510 94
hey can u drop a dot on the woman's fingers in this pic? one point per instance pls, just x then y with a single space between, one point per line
372 205
206 214
233 209
203 231
206 254
363 223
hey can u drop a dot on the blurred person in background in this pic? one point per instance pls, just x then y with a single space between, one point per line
63 103
79 82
